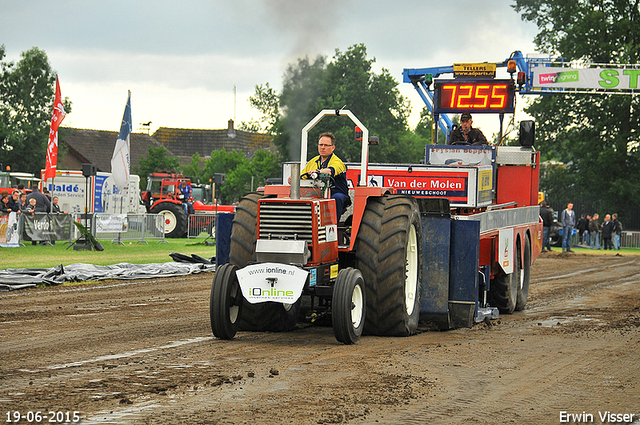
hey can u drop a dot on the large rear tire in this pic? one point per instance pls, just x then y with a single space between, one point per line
175 219
244 231
524 275
388 254
269 316
225 303
348 306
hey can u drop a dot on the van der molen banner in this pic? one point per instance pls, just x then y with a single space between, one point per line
591 78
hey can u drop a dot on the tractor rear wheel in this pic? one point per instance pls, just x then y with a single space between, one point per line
225 303
524 275
175 219
388 252
348 306
269 316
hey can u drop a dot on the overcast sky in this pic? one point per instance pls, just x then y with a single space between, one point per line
181 60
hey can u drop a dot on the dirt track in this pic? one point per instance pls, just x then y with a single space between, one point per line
143 352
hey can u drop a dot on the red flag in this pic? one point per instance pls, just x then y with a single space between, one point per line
52 147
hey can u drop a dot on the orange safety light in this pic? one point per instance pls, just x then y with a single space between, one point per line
511 66
358 134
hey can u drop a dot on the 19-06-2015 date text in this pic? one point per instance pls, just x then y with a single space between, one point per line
51 416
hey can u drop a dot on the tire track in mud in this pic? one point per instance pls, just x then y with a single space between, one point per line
524 368
538 376
556 290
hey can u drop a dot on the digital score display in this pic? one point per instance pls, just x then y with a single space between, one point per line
478 96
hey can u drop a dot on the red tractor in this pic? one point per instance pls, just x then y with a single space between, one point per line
450 241
164 196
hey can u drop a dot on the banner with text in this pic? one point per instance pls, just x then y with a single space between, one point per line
9 237
111 223
47 227
590 78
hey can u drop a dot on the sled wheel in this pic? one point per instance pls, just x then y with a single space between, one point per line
524 272
348 306
225 304
503 291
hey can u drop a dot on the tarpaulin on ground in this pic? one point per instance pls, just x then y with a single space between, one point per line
12 279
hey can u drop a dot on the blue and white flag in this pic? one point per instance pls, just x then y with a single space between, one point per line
120 161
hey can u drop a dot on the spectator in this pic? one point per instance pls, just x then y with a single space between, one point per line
23 201
582 226
31 208
617 231
55 208
42 202
594 232
546 213
568 222
14 202
4 202
607 231
586 232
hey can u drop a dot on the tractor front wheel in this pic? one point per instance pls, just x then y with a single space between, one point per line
348 306
225 303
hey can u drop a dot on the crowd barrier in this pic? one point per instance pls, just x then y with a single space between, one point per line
129 227
201 224
15 229
628 239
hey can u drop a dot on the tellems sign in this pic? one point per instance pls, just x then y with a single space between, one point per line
271 282
591 78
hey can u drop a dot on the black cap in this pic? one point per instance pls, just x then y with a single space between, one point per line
465 116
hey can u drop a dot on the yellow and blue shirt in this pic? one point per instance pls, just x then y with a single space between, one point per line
338 172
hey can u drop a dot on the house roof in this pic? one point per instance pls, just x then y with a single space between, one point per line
96 146
187 142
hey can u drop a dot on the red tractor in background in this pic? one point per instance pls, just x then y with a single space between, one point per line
163 196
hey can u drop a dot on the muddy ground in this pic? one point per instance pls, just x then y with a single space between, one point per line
142 352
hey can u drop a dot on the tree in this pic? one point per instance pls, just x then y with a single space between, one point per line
240 172
347 81
157 160
27 91
596 136
193 170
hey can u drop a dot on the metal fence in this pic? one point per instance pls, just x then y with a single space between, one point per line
628 239
201 224
139 228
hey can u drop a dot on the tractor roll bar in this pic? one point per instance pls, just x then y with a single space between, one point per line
364 156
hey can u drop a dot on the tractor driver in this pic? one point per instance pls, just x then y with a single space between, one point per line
329 163
185 190
466 134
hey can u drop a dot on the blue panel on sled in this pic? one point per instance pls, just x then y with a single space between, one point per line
434 295
463 288
224 222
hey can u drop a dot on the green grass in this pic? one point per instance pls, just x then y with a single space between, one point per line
588 251
38 256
